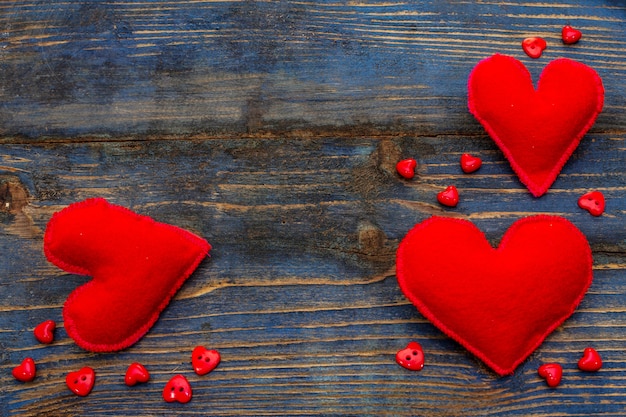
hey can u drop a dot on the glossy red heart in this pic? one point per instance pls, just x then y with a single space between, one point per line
590 361
44 332
81 382
499 303
204 360
536 129
411 357
593 202
136 373
406 168
470 163
26 371
177 389
534 46
137 265
449 197
552 373
569 35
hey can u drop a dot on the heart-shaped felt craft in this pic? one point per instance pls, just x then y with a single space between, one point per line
137 265
501 303
536 129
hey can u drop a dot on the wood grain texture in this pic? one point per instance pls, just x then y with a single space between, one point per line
272 130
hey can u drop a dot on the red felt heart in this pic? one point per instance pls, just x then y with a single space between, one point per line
411 357
81 382
204 360
177 389
499 303
590 361
536 129
552 373
44 332
25 371
593 202
136 373
137 266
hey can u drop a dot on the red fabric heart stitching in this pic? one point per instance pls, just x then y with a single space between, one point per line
137 266
536 129
501 303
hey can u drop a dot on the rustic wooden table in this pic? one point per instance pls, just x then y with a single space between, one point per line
272 129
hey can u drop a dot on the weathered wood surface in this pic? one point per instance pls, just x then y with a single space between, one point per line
272 130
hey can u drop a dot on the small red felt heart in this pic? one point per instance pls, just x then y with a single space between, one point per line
449 197
534 46
204 360
499 303
177 389
81 382
137 266
44 332
470 163
552 373
406 168
593 202
536 129
26 371
569 35
411 357
590 361
136 373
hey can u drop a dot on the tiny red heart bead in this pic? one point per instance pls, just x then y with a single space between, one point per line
534 46
406 168
449 197
552 373
570 35
135 374
591 360
44 332
81 382
470 163
204 360
411 357
26 371
177 389
593 202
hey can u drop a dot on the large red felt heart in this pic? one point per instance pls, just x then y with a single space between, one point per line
499 303
137 266
536 129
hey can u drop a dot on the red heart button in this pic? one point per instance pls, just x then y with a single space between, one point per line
137 266
44 332
136 373
81 382
499 303
593 202
536 129
534 46
470 163
449 197
569 35
411 357
406 168
552 373
26 371
204 360
177 389
591 360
